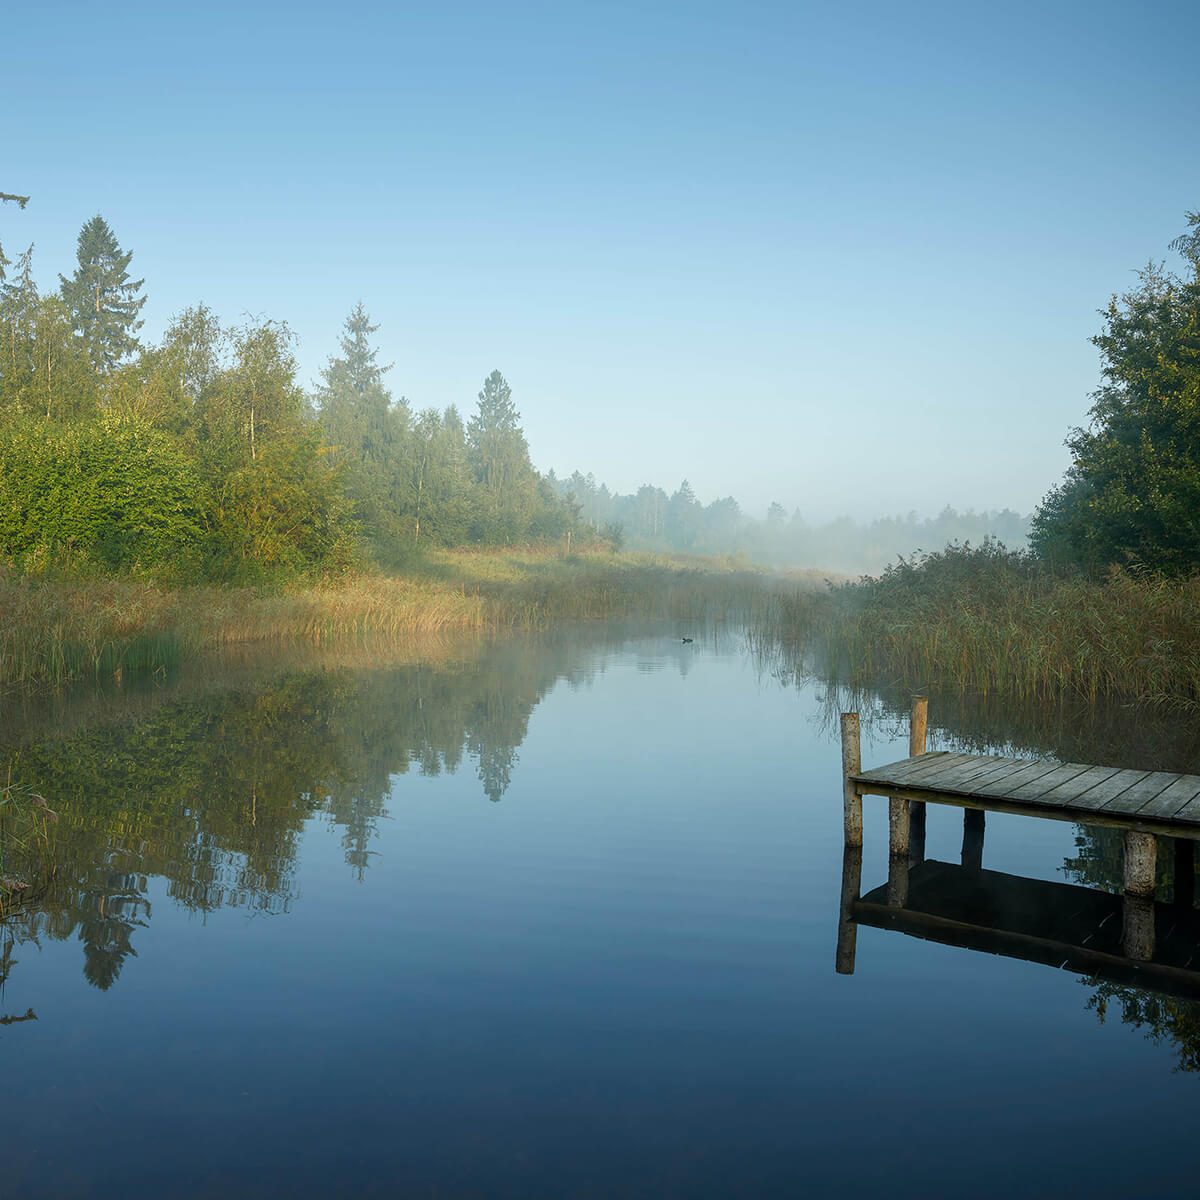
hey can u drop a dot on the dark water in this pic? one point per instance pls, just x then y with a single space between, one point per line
544 918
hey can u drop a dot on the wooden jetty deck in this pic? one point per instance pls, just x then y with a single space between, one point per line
1144 804
1157 801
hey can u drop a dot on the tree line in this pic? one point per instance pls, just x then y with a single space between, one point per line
650 519
204 455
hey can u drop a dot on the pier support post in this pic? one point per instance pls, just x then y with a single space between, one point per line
899 828
847 940
974 822
1141 852
918 727
897 885
1185 872
851 765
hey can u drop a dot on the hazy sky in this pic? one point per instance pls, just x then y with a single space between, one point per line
844 256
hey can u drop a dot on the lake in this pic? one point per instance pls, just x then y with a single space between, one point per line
544 916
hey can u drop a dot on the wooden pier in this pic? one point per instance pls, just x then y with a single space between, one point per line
1145 805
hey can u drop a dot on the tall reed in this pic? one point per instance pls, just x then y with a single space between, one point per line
988 620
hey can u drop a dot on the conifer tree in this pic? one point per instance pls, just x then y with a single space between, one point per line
101 298
360 420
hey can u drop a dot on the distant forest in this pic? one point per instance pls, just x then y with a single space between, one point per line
649 519
204 457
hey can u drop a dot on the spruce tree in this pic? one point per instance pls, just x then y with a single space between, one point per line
101 298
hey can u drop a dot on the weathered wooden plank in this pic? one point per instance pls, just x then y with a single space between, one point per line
1026 774
901 777
1014 772
1132 798
1073 790
1190 812
1172 798
907 767
955 777
1035 789
1098 796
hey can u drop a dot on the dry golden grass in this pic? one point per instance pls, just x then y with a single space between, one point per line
53 631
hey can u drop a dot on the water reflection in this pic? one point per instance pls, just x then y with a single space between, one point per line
1140 955
211 794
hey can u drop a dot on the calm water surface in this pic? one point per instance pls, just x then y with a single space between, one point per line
545 918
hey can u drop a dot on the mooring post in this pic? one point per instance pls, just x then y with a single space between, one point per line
918 727
847 940
851 766
1185 872
974 823
1141 852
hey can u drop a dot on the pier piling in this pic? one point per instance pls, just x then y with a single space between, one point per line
851 765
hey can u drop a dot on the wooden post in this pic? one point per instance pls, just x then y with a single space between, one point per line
1141 851
898 827
1185 872
1137 928
851 765
972 847
847 941
897 885
918 727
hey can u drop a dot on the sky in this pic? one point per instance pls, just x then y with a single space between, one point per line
844 257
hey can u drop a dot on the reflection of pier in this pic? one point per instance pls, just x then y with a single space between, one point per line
1059 924
1128 939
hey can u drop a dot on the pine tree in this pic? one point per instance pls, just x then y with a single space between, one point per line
369 431
499 458
101 298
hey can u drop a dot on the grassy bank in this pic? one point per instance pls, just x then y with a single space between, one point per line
58 630
988 621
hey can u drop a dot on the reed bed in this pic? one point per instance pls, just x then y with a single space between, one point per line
987 620
55 631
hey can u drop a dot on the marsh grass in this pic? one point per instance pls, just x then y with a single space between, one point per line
59 630
989 621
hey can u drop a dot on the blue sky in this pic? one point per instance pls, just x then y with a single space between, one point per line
847 257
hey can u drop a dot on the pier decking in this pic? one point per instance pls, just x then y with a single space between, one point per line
1146 805
1156 801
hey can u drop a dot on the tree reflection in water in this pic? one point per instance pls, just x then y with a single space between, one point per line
211 795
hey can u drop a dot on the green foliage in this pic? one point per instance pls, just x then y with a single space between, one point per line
102 300
1132 494
112 490
499 459
368 433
